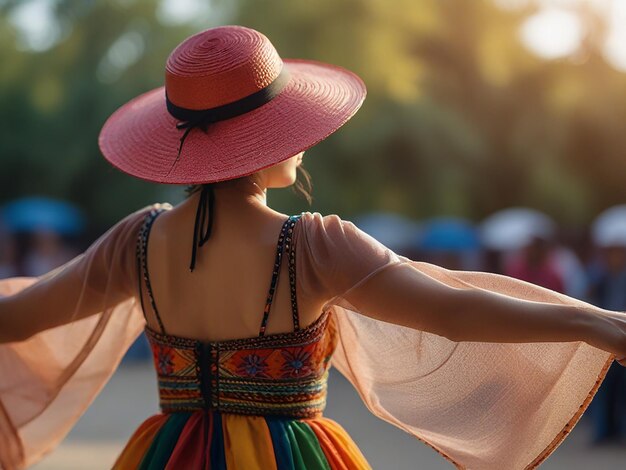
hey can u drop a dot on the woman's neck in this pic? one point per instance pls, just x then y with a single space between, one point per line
240 195
241 191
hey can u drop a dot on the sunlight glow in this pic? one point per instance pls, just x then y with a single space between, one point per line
598 5
558 27
615 46
35 23
511 4
552 33
174 12
123 53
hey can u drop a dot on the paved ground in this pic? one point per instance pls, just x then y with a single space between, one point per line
130 397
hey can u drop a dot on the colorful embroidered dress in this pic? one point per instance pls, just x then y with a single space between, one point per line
252 403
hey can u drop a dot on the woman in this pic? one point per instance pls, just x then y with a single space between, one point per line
490 371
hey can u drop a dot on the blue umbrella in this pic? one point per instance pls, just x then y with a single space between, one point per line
449 234
38 213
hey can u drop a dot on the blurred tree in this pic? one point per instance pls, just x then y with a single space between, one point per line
461 119
54 102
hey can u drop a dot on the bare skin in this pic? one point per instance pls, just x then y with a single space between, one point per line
238 260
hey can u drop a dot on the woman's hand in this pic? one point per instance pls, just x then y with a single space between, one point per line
609 333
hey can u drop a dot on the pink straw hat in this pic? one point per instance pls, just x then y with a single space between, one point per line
230 107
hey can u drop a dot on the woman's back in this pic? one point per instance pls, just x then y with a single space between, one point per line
224 297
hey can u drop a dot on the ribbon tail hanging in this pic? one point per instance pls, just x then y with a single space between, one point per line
203 223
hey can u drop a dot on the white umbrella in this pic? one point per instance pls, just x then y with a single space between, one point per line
609 228
513 228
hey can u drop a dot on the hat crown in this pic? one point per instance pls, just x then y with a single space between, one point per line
220 66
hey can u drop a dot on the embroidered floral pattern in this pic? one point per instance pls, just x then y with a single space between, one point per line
297 362
283 375
253 365
164 360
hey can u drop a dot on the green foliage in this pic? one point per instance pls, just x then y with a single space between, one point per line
460 119
53 104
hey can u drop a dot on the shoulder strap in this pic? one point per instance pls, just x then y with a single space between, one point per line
289 246
142 264
284 240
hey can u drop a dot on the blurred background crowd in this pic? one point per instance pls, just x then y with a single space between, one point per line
492 137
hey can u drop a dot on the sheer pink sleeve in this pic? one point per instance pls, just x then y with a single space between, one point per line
480 405
84 316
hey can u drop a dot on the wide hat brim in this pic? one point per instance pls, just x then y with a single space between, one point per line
141 138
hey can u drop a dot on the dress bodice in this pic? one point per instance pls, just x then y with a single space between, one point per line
282 374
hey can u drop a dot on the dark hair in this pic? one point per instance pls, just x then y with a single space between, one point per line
303 185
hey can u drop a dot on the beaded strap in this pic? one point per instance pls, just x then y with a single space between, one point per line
292 275
142 263
275 273
284 239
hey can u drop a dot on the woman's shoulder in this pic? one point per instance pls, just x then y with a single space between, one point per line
320 216
158 206
144 210
337 254
332 234
141 213
329 232
127 228
325 222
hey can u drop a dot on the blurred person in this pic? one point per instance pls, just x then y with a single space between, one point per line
608 290
608 278
536 263
492 260
571 254
47 250
245 313
572 272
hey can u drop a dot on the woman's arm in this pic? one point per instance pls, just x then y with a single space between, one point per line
76 290
66 333
101 277
37 304
430 298
480 403
347 265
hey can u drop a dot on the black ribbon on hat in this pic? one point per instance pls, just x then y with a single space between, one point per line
193 118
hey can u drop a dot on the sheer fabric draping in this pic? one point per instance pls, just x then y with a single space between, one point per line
480 405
